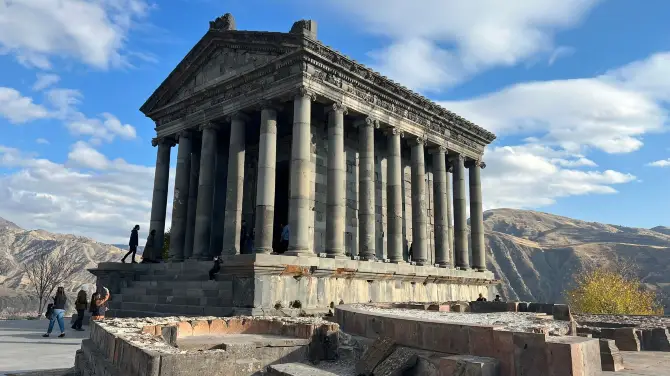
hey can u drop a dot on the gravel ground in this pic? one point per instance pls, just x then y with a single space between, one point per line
513 321
646 322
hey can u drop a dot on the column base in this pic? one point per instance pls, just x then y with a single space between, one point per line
462 267
420 262
367 258
265 251
397 261
480 269
443 265
336 256
295 251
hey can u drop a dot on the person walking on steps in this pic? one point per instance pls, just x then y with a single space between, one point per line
58 312
132 244
80 305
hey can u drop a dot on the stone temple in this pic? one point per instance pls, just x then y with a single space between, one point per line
277 128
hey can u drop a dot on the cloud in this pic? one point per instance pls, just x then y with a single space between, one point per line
19 109
90 31
661 163
463 38
42 141
88 194
45 80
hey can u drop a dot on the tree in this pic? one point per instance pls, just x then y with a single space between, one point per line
50 269
612 290
166 245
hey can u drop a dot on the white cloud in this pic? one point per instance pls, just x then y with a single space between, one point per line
661 163
461 37
44 80
42 141
87 195
90 31
19 109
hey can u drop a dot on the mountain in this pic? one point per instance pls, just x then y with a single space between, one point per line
19 246
537 254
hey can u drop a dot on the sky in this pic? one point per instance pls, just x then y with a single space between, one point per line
577 91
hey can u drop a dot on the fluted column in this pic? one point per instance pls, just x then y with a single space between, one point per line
301 170
440 188
203 214
366 188
460 215
161 179
419 216
450 212
192 203
335 185
180 199
267 172
476 216
394 197
232 224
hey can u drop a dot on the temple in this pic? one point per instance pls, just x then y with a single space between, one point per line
277 128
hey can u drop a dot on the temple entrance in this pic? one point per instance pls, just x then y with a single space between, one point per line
282 183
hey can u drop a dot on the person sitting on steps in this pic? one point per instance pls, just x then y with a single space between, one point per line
481 298
215 269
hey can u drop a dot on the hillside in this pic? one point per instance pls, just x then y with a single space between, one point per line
536 254
19 246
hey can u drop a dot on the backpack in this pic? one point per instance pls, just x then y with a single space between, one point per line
50 311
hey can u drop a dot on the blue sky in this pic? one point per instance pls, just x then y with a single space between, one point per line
577 92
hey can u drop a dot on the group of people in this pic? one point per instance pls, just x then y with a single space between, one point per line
56 310
483 299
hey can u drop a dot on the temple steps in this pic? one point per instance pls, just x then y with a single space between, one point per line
207 285
174 300
123 309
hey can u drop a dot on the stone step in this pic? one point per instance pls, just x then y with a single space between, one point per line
127 313
172 309
174 277
219 301
216 285
296 369
195 292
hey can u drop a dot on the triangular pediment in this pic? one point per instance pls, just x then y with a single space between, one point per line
218 58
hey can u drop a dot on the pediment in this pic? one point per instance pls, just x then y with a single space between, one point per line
214 60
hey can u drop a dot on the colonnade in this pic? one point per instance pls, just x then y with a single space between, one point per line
193 198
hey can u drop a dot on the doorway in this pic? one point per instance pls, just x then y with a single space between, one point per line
282 183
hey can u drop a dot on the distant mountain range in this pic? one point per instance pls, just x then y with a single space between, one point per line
534 254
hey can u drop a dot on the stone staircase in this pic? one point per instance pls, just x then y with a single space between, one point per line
168 290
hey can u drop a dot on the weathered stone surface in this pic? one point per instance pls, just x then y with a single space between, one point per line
397 363
610 357
625 338
468 365
530 357
169 334
561 312
656 339
375 354
571 355
486 307
296 369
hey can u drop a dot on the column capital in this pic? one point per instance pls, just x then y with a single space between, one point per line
186 133
208 125
392 131
456 158
416 141
475 163
166 140
303 91
367 122
237 115
269 104
437 149
337 107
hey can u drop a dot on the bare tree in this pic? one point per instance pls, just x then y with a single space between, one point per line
51 269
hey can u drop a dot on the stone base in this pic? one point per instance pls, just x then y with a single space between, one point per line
261 284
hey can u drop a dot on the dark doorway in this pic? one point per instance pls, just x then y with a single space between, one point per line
282 183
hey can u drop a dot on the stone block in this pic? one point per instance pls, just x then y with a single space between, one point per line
218 327
380 349
468 365
397 363
522 307
656 339
561 312
625 338
149 329
575 356
487 307
530 357
184 329
460 307
200 327
439 307
132 360
480 341
610 357
541 308
503 342
169 334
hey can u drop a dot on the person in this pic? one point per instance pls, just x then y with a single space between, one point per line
285 234
58 312
149 252
97 308
80 305
132 244
497 299
250 241
243 237
215 269
410 253
481 298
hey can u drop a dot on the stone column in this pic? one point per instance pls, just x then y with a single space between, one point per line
419 216
203 214
267 172
366 190
235 185
394 197
180 201
460 216
476 216
161 178
192 203
336 183
450 215
300 190
440 205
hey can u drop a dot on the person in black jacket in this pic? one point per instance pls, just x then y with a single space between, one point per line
132 244
58 312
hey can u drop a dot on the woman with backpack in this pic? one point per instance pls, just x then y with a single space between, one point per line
58 312
80 305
